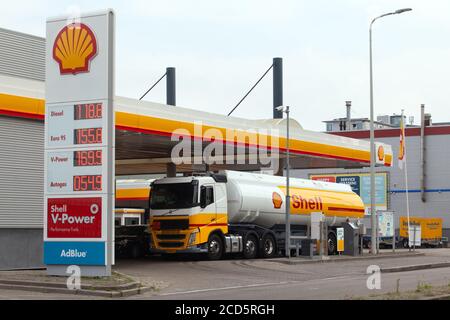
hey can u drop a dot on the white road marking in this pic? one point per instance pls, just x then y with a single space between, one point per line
226 288
349 275
252 286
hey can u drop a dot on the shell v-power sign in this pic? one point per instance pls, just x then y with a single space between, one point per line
79 144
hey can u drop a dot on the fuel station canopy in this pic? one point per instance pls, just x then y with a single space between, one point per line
145 135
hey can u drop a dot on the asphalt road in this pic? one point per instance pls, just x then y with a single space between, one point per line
338 287
236 279
263 279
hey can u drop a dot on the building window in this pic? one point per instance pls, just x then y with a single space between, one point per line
329 127
395 121
131 221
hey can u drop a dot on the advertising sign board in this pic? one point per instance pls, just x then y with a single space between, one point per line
74 253
79 144
74 217
385 224
353 181
360 184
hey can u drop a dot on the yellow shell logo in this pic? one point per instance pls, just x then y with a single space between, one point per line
380 153
75 46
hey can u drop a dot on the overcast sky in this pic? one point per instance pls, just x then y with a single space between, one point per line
220 48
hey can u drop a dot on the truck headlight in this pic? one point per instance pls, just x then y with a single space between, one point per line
192 238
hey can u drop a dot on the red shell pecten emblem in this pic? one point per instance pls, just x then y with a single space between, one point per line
74 48
277 200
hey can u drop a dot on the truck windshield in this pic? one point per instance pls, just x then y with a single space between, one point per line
174 195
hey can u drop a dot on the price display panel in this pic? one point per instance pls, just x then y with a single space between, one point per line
87 182
83 163
88 111
76 125
87 158
77 162
87 136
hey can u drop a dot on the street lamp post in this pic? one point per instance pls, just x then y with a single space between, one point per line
288 196
373 217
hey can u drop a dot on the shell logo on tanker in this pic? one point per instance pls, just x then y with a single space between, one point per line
74 48
277 200
346 204
298 202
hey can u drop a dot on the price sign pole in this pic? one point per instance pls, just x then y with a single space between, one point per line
79 144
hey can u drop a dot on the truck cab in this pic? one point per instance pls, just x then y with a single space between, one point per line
186 211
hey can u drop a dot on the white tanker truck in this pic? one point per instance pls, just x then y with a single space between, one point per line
237 212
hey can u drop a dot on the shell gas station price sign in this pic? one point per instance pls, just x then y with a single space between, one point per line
76 170
79 144
76 125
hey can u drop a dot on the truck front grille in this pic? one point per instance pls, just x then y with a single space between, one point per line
178 224
170 244
171 236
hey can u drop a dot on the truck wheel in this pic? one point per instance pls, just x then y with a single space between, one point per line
250 247
215 247
405 243
268 249
332 244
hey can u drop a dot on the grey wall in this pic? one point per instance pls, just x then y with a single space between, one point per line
21 193
21 249
22 55
21 173
21 160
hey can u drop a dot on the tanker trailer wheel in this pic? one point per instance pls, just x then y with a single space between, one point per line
215 247
332 244
250 247
405 243
269 248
